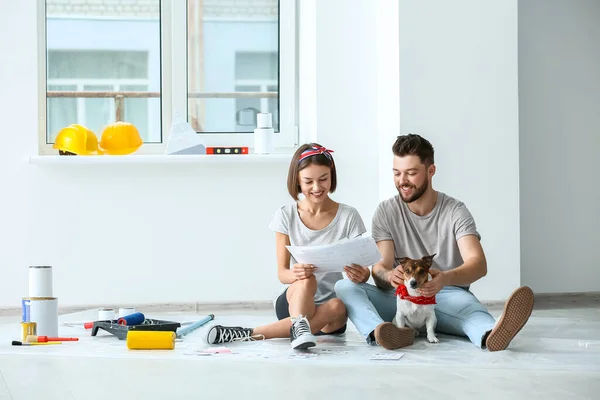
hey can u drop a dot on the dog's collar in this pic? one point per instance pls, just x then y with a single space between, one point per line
402 291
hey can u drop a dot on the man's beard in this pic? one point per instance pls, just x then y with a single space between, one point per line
417 192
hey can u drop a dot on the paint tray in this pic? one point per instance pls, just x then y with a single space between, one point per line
121 331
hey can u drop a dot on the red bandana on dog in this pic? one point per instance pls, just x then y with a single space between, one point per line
403 293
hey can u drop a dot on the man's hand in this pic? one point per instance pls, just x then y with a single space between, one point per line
437 282
397 276
303 271
357 274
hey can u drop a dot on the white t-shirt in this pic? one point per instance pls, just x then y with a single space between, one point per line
346 224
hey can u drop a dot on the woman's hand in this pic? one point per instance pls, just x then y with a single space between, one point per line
303 271
357 274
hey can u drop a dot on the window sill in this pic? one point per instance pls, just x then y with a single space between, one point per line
281 158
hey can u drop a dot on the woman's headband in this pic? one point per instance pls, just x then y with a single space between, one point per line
313 151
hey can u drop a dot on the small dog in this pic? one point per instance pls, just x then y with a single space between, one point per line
412 309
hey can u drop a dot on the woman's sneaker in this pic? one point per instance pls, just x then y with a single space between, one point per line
223 334
300 334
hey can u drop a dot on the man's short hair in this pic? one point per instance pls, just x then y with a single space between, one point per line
414 145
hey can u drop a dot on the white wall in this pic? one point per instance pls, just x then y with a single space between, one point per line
458 88
559 79
346 98
124 234
177 233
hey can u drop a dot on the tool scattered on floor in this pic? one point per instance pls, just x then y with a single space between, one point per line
19 343
184 331
147 324
43 339
151 340
90 324
132 319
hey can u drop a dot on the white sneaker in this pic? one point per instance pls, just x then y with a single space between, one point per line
300 334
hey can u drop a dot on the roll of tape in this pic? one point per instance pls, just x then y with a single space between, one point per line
40 281
106 314
44 312
151 340
125 311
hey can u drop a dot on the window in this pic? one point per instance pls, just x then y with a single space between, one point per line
217 63
256 73
100 71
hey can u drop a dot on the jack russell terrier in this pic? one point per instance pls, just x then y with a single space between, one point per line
412 309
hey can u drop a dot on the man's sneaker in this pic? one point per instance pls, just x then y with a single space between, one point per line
223 334
389 336
300 334
516 313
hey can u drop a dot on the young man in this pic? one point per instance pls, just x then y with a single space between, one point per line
418 222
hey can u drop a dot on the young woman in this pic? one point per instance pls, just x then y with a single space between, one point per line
308 305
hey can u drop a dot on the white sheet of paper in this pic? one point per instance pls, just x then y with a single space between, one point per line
334 257
386 356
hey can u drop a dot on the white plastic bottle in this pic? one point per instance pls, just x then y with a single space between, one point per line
264 134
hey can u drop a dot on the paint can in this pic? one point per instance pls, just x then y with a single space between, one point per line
106 314
25 309
151 340
28 328
44 312
40 281
125 311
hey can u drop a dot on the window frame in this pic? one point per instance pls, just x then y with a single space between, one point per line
174 76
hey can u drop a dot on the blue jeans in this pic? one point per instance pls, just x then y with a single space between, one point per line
458 311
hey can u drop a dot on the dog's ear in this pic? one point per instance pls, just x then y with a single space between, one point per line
403 260
428 260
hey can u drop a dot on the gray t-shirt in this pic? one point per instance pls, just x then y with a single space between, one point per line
346 224
415 236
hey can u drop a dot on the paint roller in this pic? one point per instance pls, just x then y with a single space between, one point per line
161 340
151 340
192 327
131 319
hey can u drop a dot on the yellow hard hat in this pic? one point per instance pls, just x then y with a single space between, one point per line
120 138
76 139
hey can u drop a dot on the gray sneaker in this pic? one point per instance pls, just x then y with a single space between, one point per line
300 334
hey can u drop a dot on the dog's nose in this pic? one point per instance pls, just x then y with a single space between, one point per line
413 284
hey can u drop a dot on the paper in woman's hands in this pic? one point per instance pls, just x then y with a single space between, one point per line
334 257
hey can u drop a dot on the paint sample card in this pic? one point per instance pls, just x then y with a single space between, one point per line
302 355
333 351
386 356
